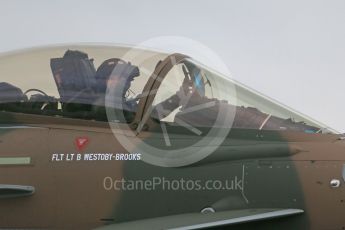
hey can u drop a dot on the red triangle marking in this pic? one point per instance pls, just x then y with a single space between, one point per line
81 142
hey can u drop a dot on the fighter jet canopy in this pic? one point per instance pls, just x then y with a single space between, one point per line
81 82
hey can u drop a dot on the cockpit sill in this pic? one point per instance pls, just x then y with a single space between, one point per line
17 120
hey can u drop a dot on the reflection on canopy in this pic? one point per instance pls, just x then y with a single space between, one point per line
193 94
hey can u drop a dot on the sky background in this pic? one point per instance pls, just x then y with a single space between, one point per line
292 51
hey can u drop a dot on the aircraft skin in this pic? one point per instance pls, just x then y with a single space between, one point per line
282 178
